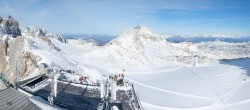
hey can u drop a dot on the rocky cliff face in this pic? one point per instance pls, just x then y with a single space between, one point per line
9 26
14 58
13 55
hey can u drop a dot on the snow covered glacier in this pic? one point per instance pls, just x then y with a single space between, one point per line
162 72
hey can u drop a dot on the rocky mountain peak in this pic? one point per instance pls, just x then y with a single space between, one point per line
10 18
9 26
143 29
137 35
34 30
1 19
42 33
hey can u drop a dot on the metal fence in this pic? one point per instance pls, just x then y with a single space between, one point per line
139 107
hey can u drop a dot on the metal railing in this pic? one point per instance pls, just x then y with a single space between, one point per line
24 82
43 81
139 107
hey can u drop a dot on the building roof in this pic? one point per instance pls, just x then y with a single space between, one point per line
11 99
72 97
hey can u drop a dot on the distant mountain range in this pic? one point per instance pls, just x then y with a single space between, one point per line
101 39
199 39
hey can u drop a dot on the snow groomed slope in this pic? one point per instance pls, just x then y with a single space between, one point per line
204 87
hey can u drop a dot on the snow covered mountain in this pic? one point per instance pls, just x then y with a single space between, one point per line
218 50
134 49
139 47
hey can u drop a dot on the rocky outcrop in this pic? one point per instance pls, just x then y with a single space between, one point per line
38 32
13 55
9 26
3 54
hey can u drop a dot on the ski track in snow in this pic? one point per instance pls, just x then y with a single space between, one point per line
172 92
212 87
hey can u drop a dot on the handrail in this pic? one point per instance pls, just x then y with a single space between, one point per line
136 98
34 86
35 77
78 83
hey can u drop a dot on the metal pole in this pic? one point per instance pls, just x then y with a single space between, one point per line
17 75
113 90
53 87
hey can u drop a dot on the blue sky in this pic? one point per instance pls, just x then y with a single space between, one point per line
188 17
